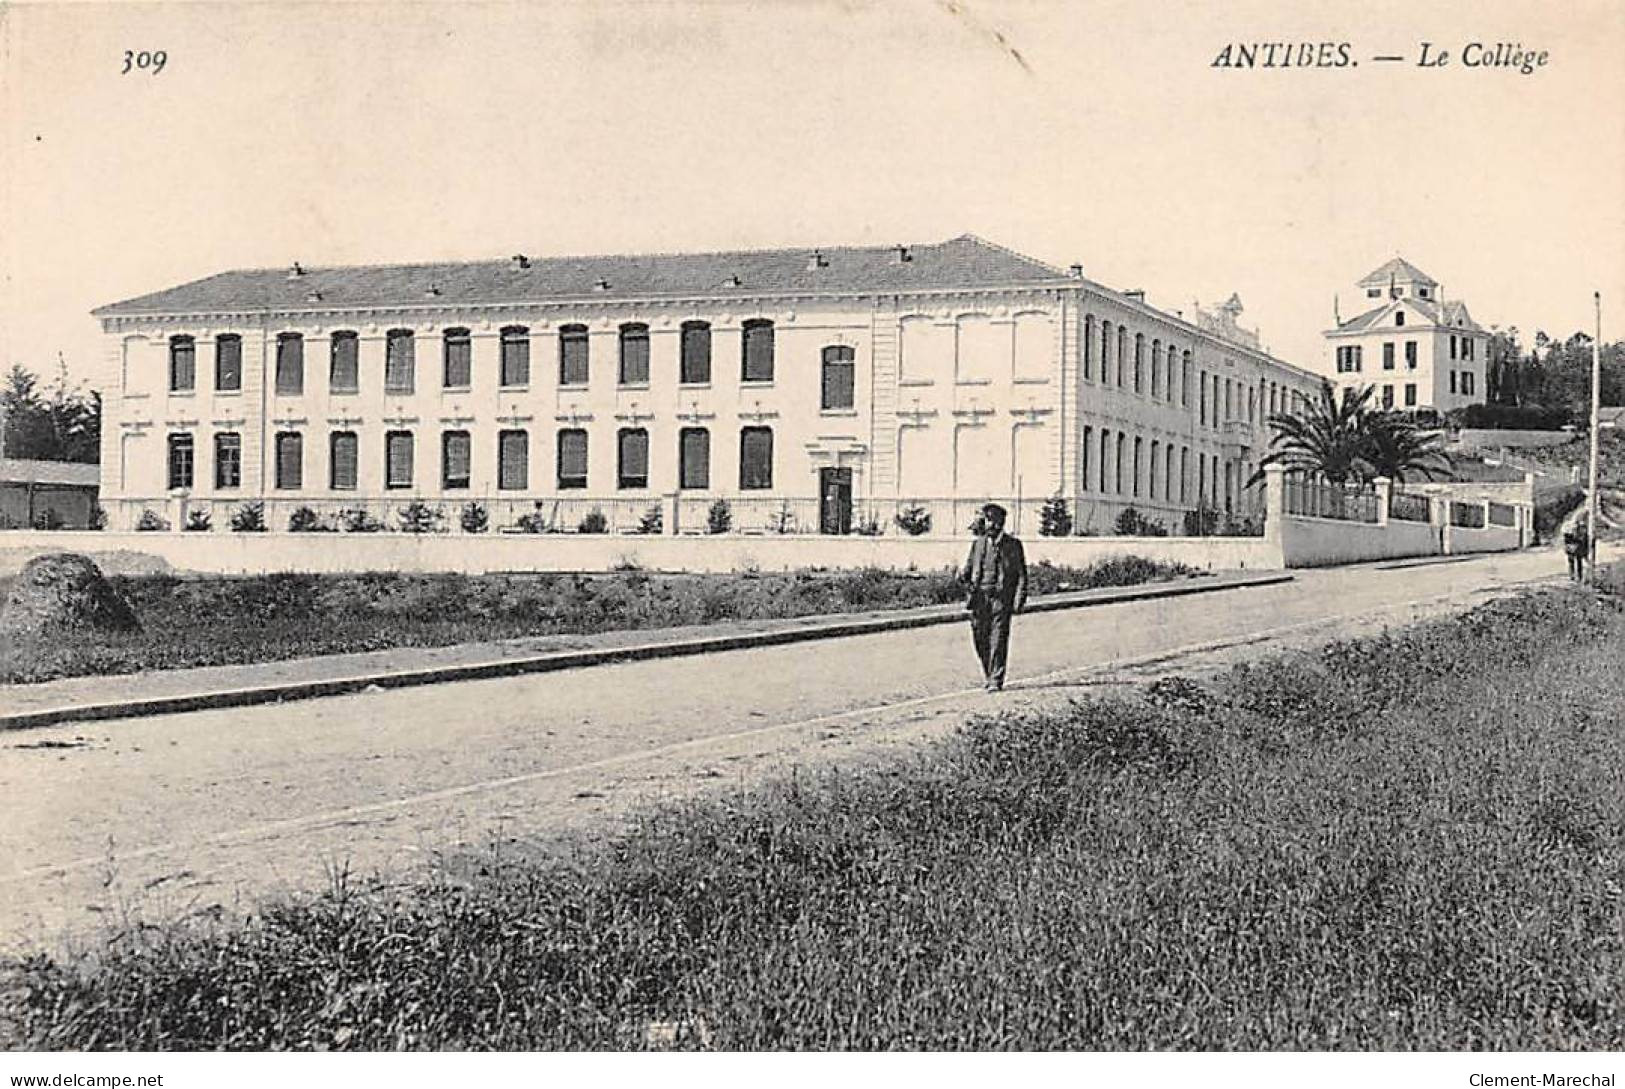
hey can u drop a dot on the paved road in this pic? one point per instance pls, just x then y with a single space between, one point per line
212 810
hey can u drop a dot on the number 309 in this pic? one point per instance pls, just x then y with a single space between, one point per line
154 60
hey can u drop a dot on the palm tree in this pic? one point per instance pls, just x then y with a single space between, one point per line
1395 445
1328 439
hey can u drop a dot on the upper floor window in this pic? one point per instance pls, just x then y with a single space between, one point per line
572 466
180 461
398 459
513 460
456 456
459 362
228 362
290 364
228 460
1422 291
182 364
634 354
1139 361
756 457
400 363
695 365
1410 354
515 356
839 377
694 458
757 363
290 459
1156 371
632 457
573 355
1089 346
343 363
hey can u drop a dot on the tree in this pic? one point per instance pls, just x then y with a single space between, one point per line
1327 439
61 423
1395 446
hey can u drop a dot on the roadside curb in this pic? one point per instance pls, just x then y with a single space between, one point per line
277 692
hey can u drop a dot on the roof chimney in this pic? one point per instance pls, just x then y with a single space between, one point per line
1137 294
901 255
733 281
817 260
600 284
296 271
1076 272
520 261
434 289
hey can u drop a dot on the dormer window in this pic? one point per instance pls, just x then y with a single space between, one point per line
1399 318
1422 291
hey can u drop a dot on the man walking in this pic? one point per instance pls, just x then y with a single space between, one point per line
1577 543
996 572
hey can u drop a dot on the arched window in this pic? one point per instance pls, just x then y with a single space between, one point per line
515 369
1156 368
756 351
694 458
573 367
458 361
1139 361
572 459
632 457
634 354
1089 346
228 362
400 364
182 364
839 379
343 363
695 365
290 364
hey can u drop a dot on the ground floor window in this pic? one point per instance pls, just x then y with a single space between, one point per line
756 457
694 458
290 460
632 457
398 459
343 460
513 460
180 461
228 460
455 460
572 459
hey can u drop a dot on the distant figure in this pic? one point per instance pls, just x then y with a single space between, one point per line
1577 543
996 573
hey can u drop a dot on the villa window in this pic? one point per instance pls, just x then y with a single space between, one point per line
572 470
398 459
343 461
573 365
458 362
513 460
180 461
290 365
632 444
456 456
400 364
228 460
290 460
694 458
515 356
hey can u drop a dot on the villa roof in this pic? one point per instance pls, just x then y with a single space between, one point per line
1400 270
963 262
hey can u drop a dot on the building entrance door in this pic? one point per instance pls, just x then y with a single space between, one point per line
835 501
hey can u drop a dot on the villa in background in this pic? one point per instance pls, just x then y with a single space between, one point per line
810 390
1421 351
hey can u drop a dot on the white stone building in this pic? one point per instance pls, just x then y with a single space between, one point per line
1421 351
811 390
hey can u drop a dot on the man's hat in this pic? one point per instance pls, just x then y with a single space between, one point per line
993 510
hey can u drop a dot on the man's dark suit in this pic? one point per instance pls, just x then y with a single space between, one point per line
996 572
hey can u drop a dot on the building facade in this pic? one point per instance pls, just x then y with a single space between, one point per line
1420 351
822 391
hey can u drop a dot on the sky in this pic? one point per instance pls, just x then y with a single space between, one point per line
1097 133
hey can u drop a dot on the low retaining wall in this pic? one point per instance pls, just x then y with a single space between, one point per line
1459 540
262 553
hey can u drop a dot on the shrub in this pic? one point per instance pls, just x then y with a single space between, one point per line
1510 417
151 522
653 520
474 518
869 527
1055 518
418 517
199 521
914 521
358 520
51 518
305 520
1201 522
1131 523
534 522
98 517
249 518
720 518
782 520
593 522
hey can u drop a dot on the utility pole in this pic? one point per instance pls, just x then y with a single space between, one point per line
1596 419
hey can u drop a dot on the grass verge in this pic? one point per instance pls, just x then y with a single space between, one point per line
263 618
1407 841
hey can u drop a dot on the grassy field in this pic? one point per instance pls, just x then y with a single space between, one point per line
223 620
1408 841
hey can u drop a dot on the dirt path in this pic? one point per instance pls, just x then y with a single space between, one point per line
207 812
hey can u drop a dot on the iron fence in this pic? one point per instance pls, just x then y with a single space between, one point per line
1409 508
1321 499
